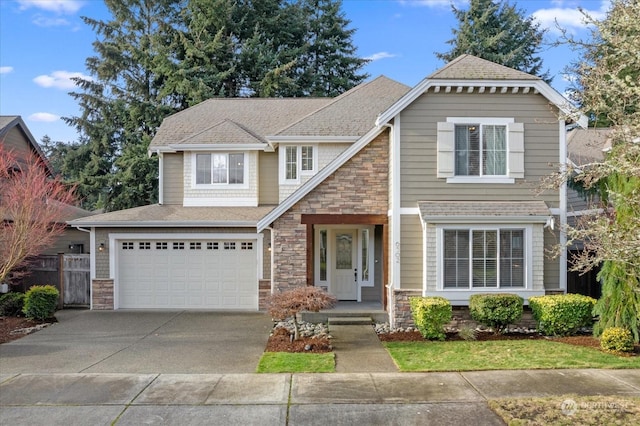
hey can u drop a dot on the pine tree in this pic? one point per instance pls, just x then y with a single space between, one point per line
498 32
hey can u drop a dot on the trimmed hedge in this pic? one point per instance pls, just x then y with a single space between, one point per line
496 310
562 314
616 339
430 314
11 304
40 302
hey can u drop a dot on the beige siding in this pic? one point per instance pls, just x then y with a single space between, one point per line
70 236
102 236
418 145
551 266
268 175
411 252
173 182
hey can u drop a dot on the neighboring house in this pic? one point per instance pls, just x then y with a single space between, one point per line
16 138
584 146
378 194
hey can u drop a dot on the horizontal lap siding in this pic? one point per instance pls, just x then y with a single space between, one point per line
172 179
418 146
268 173
411 252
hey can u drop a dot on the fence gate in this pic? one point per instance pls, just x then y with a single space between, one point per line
77 280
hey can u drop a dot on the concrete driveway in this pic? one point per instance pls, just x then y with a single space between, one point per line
141 342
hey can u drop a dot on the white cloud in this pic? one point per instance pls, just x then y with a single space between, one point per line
45 117
43 21
59 79
6 70
380 55
570 19
58 6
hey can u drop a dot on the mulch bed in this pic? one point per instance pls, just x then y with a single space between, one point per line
281 341
12 328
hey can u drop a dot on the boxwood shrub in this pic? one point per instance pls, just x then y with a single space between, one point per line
562 314
11 304
40 302
430 314
616 339
496 310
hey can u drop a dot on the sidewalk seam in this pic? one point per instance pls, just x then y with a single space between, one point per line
128 404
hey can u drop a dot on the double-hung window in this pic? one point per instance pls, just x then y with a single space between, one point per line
220 168
480 150
483 258
298 160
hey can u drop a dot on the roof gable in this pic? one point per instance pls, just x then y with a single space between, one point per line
226 132
10 122
469 67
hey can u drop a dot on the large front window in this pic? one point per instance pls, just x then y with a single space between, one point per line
483 258
480 150
224 168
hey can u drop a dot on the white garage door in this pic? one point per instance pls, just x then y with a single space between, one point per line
191 274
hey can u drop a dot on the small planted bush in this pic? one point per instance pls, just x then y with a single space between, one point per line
40 302
562 314
616 339
496 310
430 314
11 304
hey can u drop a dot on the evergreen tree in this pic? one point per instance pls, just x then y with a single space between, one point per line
498 32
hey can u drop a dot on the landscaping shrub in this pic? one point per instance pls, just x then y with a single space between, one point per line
11 304
40 302
616 339
430 314
467 332
496 310
562 314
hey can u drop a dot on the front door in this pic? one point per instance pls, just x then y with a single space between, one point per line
344 271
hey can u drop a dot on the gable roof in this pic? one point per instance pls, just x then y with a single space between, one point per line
588 145
350 114
258 116
475 73
224 132
9 122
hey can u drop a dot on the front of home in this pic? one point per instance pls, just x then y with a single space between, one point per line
379 194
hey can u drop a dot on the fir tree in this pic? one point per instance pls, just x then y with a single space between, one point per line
498 32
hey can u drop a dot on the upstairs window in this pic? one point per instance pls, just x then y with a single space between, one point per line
480 150
223 168
298 160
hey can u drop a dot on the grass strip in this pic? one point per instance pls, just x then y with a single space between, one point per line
501 355
285 362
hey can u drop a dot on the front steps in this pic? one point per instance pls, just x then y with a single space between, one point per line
338 317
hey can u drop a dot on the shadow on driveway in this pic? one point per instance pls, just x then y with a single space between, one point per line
141 342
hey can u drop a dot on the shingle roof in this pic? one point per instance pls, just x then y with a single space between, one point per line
469 67
587 145
259 116
176 215
351 114
436 211
225 132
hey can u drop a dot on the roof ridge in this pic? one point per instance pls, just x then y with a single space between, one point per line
219 123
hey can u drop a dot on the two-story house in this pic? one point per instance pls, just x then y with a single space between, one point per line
378 194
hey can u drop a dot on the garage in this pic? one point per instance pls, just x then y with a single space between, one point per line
187 274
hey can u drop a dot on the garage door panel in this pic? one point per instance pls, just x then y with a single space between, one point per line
204 274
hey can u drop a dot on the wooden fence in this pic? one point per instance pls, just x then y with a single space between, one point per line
69 273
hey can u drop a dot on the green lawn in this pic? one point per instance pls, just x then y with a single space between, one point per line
501 355
285 362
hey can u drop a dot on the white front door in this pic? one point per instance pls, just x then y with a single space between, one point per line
344 266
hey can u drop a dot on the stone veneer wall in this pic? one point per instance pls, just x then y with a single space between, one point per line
360 186
102 294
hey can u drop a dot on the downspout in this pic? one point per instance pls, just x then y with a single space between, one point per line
563 207
160 177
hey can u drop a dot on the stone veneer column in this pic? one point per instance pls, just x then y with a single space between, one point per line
402 317
360 186
102 294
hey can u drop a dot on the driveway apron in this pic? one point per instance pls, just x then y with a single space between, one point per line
141 342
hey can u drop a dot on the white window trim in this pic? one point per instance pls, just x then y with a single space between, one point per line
245 177
300 172
528 257
495 179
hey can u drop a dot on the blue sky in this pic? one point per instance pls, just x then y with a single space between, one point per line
44 42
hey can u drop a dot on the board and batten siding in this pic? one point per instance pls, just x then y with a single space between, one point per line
268 178
418 172
172 178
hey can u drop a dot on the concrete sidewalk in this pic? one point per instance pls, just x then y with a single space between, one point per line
289 399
